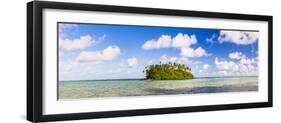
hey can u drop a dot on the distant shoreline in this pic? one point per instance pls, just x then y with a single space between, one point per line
157 80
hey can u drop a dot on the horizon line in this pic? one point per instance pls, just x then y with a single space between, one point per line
145 79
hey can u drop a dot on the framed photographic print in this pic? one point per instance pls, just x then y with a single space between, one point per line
96 61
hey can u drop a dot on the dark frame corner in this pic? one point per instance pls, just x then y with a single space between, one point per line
35 70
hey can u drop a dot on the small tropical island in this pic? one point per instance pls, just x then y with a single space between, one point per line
168 71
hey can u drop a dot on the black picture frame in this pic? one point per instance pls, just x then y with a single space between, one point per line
35 69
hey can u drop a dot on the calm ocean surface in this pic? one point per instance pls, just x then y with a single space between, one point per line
136 87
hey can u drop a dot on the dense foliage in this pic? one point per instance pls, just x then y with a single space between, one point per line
170 71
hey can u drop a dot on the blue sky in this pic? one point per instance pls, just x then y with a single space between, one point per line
91 51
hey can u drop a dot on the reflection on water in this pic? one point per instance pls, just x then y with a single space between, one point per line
137 87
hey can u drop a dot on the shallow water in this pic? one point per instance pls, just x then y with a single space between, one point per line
136 87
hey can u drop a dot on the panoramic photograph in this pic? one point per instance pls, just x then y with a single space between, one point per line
104 60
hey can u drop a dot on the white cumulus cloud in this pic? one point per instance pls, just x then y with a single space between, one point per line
205 66
108 53
166 41
244 67
180 41
236 55
248 61
81 43
190 52
132 61
183 40
226 65
238 37
163 41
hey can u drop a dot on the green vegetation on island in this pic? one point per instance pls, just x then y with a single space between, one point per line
169 71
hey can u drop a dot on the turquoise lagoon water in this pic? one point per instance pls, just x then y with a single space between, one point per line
137 87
